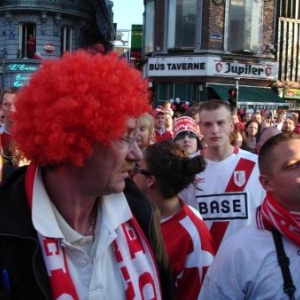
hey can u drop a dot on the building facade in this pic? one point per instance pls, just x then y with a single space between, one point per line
33 30
202 49
287 50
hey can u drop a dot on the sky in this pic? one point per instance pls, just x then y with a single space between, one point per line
128 12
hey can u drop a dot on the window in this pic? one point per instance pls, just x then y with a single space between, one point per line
245 26
66 39
149 27
182 23
183 91
27 43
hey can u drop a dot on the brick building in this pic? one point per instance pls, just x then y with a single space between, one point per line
55 26
287 49
201 49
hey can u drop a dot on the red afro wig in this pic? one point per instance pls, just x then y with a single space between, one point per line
74 103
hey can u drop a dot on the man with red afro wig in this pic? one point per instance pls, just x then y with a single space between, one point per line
72 226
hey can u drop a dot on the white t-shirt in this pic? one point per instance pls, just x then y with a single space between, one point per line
218 203
246 267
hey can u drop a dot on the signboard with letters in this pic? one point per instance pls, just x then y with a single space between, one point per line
20 73
210 66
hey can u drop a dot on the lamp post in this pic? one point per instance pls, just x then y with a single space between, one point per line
237 87
200 89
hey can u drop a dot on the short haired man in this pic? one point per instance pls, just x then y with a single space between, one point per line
8 107
67 231
161 134
227 192
262 260
257 117
288 126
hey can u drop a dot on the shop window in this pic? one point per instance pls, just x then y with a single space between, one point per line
149 27
27 41
66 39
182 23
245 26
175 90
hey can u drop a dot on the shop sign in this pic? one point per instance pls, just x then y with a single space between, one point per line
268 70
177 66
20 79
49 47
21 68
291 94
210 66
257 106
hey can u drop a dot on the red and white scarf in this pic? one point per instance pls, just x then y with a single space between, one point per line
272 215
132 251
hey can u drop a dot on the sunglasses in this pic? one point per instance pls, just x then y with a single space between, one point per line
183 134
138 170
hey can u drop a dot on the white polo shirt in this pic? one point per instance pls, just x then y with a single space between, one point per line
91 264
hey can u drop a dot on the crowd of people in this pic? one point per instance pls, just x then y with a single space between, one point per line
127 201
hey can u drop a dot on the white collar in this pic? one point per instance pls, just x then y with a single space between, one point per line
114 211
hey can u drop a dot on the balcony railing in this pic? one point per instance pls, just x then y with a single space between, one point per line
71 6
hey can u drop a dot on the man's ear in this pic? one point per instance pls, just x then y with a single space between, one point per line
266 182
151 180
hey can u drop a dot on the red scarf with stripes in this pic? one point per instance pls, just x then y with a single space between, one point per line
132 251
272 215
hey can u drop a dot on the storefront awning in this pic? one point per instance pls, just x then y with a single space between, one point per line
252 97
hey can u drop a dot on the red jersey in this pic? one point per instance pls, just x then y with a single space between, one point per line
190 249
166 135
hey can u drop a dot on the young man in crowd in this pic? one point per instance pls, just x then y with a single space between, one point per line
228 191
8 107
161 134
67 230
262 260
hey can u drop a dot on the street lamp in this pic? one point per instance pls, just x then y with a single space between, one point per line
237 87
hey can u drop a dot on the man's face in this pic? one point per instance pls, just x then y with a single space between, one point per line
216 126
159 121
283 182
288 126
257 117
8 105
107 168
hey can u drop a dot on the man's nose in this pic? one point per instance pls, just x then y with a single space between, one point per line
13 107
135 153
215 128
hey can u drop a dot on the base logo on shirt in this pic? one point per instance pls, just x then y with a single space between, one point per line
239 178
225 206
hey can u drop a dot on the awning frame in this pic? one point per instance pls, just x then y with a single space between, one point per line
280 104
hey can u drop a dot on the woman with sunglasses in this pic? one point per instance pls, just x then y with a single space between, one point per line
164 171
186 135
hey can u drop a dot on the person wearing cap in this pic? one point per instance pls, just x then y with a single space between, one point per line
186 135
228 191
67 230
161 133
162 173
